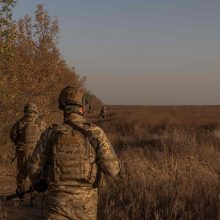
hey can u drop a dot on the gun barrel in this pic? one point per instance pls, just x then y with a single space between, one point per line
14 195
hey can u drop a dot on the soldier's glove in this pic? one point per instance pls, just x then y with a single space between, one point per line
41 185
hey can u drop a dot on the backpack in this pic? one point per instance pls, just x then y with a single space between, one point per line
73 156
30 133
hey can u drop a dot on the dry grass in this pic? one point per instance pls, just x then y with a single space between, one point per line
170 159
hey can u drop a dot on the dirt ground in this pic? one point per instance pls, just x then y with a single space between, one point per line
16 209
20 211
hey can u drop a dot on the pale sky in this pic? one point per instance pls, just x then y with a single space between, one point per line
143 52
157 89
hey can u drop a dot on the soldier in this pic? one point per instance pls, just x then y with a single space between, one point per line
25 134
73 155
103 112
90 108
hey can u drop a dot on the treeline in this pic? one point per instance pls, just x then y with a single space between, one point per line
31 67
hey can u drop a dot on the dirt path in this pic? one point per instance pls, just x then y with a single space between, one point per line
16 210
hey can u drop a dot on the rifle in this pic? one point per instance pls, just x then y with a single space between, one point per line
39 187
15 195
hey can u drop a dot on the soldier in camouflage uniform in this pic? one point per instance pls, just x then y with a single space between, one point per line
103 112
25 134
73 155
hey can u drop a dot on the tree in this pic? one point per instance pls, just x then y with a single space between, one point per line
37 73
7 29
7 39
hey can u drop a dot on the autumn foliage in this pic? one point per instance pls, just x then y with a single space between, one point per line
31 68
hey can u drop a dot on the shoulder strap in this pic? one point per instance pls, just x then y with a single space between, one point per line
84 132
78 128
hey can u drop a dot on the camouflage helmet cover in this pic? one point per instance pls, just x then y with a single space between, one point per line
71 95
30 107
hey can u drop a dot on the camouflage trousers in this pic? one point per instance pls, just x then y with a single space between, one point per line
22 169
71 203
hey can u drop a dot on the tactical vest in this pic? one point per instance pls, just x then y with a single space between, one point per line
73 156
30 133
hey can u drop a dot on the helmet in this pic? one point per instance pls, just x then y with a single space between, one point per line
71 95
30 107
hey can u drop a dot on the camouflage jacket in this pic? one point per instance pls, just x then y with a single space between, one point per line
18 127
106 158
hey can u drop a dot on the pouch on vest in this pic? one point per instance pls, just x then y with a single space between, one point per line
74 157
31 133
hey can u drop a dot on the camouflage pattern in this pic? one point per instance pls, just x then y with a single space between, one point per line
30 107
71 95
71 203
22 174
76 199
25 145
73 157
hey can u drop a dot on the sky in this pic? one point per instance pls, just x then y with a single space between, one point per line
142 52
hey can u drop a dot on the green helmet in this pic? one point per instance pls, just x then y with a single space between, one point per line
30 107
71 95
